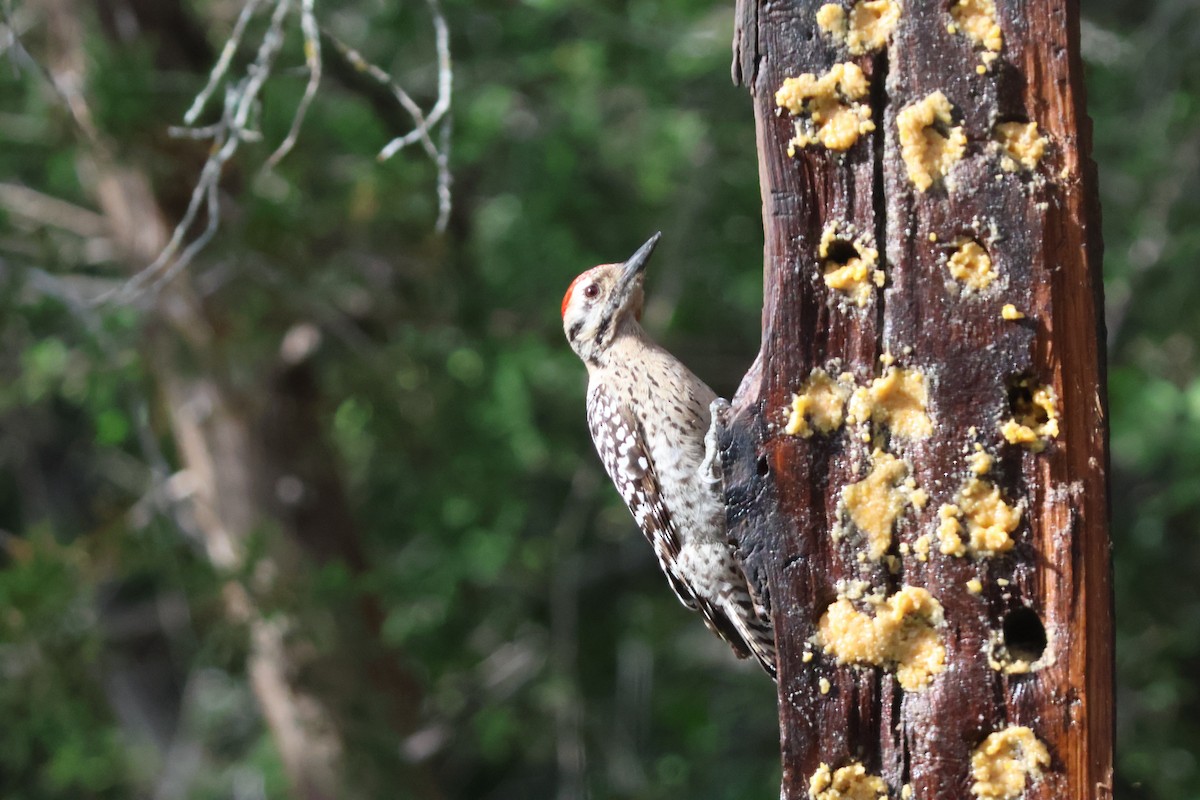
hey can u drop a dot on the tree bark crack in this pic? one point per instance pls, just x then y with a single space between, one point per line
879 199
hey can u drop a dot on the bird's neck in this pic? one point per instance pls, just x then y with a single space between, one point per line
627 346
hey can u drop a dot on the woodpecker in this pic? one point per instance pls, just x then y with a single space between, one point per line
653 424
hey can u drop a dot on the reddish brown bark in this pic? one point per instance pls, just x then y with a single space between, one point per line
1042 232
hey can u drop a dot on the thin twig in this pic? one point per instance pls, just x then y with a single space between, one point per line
423 124
240 100
201 133
222 66
312 57
420 133
445 86
443 168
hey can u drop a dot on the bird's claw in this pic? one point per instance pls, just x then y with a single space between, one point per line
710 467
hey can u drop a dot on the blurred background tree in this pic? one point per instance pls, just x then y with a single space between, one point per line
338 471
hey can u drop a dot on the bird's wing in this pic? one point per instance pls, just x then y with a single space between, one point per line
620 441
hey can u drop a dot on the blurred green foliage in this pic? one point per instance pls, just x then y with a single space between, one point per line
1144 83
551 658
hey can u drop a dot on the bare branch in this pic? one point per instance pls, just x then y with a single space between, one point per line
50 211
445 84
443 168
222 66
312 57
242 98
423 123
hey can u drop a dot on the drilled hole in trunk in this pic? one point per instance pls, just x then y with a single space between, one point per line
1021 404
840 251
1024 635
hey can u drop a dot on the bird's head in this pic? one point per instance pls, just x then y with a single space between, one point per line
602 300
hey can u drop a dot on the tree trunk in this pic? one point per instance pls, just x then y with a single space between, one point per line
996 502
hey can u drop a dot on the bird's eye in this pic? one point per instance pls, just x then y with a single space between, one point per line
591 291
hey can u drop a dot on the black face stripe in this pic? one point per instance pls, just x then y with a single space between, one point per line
573 334
602 328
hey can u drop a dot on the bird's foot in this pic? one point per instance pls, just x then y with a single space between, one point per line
710 467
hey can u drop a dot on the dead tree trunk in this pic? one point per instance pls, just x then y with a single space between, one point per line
916 465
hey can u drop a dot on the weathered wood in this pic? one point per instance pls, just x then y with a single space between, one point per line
1041 229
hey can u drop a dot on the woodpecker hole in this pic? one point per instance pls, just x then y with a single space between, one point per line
764 467
841 251
1024 635
1021 405
942 127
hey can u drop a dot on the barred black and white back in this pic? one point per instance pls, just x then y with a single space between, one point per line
700 565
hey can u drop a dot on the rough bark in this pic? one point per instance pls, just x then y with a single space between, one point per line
785 492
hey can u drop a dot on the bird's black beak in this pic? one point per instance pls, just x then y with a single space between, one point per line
637 261
633 268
